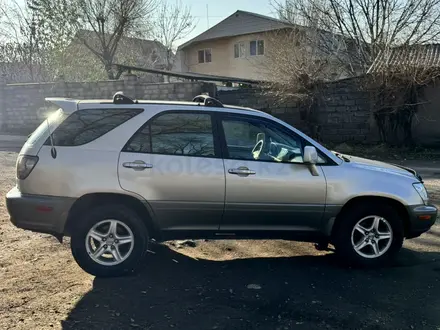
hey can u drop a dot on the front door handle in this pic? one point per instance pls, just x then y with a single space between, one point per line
137 165
241 171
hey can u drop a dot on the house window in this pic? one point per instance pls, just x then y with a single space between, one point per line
256 47
239 50
205 55
201 56
208 56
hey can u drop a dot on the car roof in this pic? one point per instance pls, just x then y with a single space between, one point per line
70 105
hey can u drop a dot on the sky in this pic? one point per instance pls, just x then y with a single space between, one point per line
218 10
207 13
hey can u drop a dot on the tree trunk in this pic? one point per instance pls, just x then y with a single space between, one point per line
109 70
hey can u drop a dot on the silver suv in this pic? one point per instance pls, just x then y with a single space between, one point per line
113 174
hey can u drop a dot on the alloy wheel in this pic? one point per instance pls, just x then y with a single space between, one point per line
372 236
109 242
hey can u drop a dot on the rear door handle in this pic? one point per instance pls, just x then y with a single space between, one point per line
241 171
137 165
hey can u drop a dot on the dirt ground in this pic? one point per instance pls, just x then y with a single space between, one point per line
215 285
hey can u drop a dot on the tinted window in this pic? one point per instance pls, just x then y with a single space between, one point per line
84 126
175 134
255 140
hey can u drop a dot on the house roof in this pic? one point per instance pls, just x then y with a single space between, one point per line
145 45
417 56
239 23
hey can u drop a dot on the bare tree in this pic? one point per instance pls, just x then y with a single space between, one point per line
32 37
291 65
22 43
174 23
294 68
395 35
110 20
366 27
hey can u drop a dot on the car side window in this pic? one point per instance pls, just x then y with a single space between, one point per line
250 139
84 126
188 134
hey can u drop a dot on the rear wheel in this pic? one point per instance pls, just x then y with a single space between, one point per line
369 235
111 240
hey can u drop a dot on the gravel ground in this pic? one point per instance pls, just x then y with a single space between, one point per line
215 285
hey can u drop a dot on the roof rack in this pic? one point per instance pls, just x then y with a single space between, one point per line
207 101
120 98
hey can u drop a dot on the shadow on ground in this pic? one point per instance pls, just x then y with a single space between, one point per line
305 292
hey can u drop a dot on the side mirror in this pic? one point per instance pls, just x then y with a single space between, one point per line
310 155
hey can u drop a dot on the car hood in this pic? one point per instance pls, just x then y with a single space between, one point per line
378 166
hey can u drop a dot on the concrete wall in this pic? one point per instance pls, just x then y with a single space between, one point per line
22 106
426 124
343 112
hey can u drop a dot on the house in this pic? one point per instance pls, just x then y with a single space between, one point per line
239 46
235 47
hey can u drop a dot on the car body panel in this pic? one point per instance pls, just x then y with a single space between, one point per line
279 196
184 192
350 180
41 213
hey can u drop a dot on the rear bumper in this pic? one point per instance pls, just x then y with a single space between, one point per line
422 218
44 214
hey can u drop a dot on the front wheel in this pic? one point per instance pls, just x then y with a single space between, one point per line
111 240
369 235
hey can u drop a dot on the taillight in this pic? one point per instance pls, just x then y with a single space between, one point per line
25 165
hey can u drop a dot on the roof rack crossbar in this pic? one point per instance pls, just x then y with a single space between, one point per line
207 101
120 98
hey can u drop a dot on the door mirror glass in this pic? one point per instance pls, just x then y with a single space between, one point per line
310 155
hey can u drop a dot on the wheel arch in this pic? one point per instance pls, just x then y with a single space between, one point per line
397 206
142 209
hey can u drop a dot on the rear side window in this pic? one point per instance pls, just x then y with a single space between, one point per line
84 126
188 134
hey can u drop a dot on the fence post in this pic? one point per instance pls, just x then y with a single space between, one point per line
3 112
130 83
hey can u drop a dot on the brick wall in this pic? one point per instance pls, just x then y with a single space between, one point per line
22 106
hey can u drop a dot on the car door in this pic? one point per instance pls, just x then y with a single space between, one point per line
174 163
268 187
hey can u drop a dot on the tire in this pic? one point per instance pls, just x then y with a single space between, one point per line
121 256
365 215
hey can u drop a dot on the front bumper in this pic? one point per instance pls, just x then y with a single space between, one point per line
422 218
44 214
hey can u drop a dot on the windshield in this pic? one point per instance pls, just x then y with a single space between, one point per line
53 121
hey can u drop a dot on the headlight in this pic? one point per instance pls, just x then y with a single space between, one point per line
420 188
